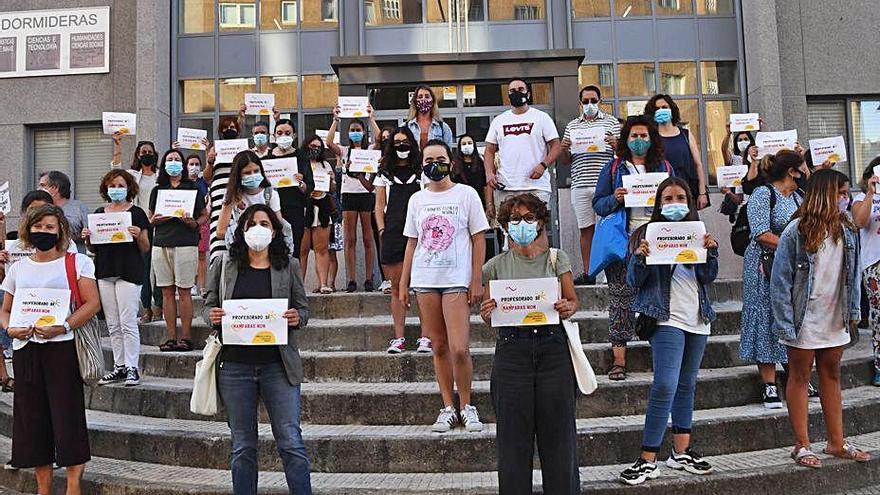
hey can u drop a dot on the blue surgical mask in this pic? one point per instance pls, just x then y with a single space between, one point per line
674 211
356 136
174 168
639 146
663 115
522 232
261 139
117 194
252 181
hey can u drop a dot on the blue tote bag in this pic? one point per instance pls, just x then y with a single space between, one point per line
609 242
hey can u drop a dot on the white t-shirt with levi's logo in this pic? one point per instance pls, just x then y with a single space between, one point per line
522 144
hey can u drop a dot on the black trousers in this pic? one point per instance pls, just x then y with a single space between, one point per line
533 391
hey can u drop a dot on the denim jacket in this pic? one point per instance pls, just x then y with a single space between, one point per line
604 202
792 281
438 130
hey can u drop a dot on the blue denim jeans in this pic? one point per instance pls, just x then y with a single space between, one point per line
241 386
677 355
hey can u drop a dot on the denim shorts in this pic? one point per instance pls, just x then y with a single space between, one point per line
5 339
440 290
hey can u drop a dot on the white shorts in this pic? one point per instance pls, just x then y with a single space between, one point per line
582 202
175 266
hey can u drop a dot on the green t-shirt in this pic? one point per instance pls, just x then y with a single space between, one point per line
509 265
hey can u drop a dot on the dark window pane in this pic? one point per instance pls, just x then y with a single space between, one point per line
478 127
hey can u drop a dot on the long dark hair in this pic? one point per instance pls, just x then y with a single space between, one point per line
657 215
234 189
135 160
389 156
308 140
35 195
651 107
655 152
365 141
164 179
868 173
279 254
745 153
776 166
458 163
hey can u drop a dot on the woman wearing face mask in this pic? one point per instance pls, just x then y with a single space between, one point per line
769 210
217 174
866 215
741 142
446 226
679 147
424 119
677 298
397 181
247 186
815 301
175 252
293 199
49 417
319 212
194 168
261 139
533 383
259 266
120 271
639 151
468 168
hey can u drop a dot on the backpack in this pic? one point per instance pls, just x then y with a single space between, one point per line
741 232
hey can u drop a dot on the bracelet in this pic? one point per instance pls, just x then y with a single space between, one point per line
543 165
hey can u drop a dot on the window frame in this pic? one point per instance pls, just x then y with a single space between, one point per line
72 128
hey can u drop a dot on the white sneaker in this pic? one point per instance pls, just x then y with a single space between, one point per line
397 346
471 419
424 345
385 287
445 421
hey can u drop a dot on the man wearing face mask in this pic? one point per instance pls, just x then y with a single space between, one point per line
261 139
586 166
57 184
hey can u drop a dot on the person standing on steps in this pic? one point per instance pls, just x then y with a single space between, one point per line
259 266
816 303
676 300
866 216
194 168
319 213
533 384
57 184
293 199
425 121
446 226
217 174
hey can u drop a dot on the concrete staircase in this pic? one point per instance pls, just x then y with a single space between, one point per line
366 417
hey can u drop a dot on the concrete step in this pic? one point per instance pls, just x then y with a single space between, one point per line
768 471
414 449
417 403
374 332
722 351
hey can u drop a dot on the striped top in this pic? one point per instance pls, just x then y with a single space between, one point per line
585 167
218 192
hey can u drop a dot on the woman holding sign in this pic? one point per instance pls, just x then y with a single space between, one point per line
247 186
675 315
49 417
294 198
319 213
866 215
533 382
259 267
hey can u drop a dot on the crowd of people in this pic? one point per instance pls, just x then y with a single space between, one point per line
425 218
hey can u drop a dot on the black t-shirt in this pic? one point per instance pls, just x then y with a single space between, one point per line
123 260
252 283
173 232
293 200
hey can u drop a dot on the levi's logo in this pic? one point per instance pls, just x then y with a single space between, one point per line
517 129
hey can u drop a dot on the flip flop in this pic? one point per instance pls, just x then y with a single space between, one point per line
803 457
849 452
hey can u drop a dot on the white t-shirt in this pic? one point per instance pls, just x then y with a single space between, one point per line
17 252
684 302
258 198
443 223
522 144
870 235
29 274
146 184
638 216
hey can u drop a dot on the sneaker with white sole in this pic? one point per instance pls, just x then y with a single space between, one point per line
397 346
690 461
115 376
771 397
385 287
132 377
640 471
445 421
424 345
471 419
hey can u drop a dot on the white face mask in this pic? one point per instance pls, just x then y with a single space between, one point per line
742 145
258 237
467 149
284 141
403 155
193 170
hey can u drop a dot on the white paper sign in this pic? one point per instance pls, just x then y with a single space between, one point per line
353 107
641 189
364 161
17 251
771 142
5 202
191 139
675 243
832 149
525 302
173 203
227 149
254 322
126 123
40 308
744 122
590 140
322 182
323 134
877 171
259 103
635 108
731 176
280 172
110 228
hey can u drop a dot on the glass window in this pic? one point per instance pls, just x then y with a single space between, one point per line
319 13
91 151
520 10
314 122
866 131
720 77
237 15
197 96
284 89
714 7
717 117
675 7
632 8
278 14
828 119
633 107
598 75
390 12
437 11
232 92
678 78
477 126
636 79
590 8
320 91
394 98
196 16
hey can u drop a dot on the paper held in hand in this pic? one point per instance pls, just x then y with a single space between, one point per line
125 123
364 161
731 176
769 143
259 103
254 322
191 139
353 107
227 149
172 203
831 149
280 172
110 228
5 201
641 189
675 243
322 182
590 140
40 308
744 122
525 302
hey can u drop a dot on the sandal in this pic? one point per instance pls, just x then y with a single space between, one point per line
184 345
7 385
617 373
849 452
170 345
147 317
325 290
805 457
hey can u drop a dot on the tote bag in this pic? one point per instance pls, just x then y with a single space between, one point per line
609 242
204 400
89 353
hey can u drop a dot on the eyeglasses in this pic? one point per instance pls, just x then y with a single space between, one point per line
528 217
590 100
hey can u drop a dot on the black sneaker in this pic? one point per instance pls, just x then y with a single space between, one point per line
690 461
771 397
640 471
132 377
351 287
115 376
368 286
812 392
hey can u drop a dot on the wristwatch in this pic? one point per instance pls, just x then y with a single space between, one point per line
66 327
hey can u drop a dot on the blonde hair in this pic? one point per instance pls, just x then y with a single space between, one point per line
413 112
34 215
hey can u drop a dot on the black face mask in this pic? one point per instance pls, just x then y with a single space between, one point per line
403 147
518 99
149 160
315 153
44 241
801 181
230 134
436 171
